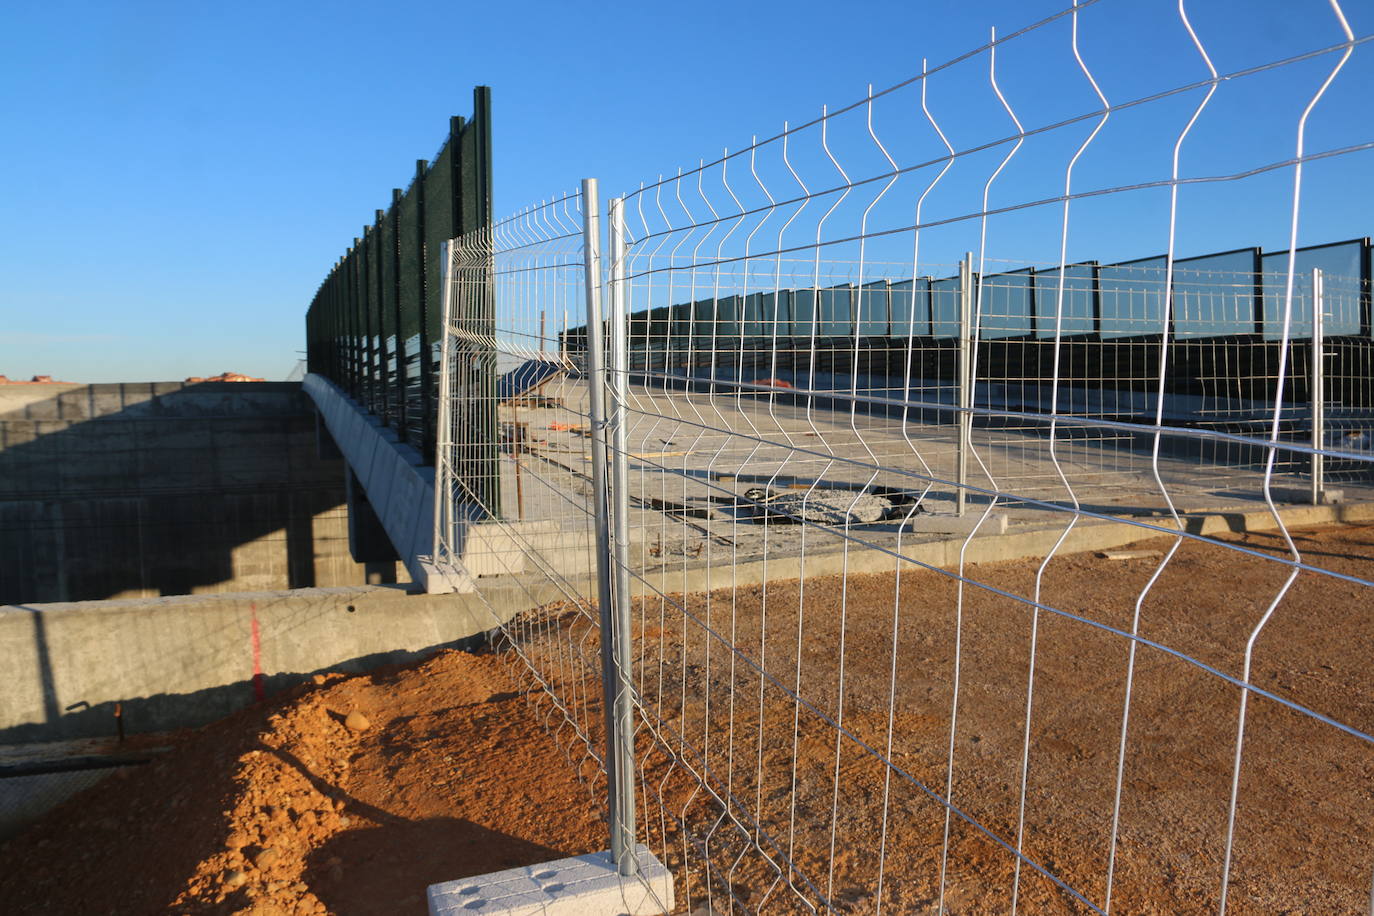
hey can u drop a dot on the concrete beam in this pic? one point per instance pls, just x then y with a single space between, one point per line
398 484
187 660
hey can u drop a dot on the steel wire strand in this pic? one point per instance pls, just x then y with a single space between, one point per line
1054 458
1273 451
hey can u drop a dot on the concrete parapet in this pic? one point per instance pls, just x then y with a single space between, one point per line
401 491
181 661
165 488
398 485
512 547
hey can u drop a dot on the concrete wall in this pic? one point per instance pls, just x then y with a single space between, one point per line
177 662
152 489
185 661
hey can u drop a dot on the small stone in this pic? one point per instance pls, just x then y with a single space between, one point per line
357 722
234 878
317 679
265 858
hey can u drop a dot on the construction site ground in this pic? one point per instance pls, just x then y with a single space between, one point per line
284 808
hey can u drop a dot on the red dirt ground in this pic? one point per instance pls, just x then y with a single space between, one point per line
282 809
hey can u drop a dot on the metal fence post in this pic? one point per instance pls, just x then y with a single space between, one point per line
596 382
443 493
965 380
623 826
1318 386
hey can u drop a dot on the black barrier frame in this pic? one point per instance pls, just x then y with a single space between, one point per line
389 372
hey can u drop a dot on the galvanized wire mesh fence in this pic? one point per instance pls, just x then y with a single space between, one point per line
805 517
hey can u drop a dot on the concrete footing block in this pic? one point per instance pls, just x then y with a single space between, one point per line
939 523
581 886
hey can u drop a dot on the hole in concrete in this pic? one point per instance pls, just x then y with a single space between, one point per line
470 889
351 609
474 904
552 888
832 504
545 875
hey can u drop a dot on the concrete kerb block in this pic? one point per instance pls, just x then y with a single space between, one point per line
996 523
580 886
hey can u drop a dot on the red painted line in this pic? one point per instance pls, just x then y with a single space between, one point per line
259 689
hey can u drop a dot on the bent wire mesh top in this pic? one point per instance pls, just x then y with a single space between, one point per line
1052 284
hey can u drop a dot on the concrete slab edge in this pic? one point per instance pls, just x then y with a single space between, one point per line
1014 545
399 490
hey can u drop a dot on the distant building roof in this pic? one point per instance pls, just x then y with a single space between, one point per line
36 380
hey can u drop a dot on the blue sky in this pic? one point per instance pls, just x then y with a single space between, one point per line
180 176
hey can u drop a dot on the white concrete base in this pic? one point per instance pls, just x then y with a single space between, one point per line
1330 497
442 579
582 886
942 523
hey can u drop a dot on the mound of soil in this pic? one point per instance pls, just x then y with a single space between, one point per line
346 795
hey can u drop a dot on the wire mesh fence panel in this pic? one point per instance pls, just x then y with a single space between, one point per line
963 550
520 517
867 358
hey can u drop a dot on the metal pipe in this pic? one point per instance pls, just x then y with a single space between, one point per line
1318 387
443 493
623 827
965 381
596 409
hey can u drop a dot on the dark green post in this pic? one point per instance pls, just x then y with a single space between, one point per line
365 319
426 443
395 255
383 389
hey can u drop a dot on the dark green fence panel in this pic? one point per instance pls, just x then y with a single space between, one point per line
474 367
374 326
412 259
388 296
373 316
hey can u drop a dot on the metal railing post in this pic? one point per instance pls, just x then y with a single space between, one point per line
1318 387
623 822
965 380
596 388
443 493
